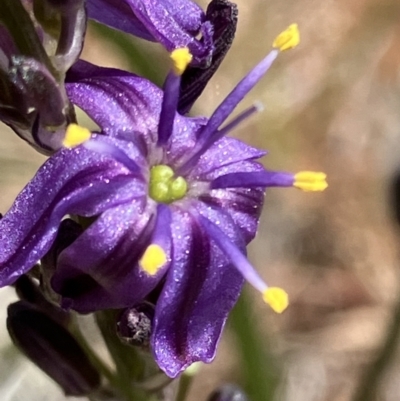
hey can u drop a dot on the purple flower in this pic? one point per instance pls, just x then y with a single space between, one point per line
173 23
173 203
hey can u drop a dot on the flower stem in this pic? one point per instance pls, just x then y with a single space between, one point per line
94 358
259 367
372 376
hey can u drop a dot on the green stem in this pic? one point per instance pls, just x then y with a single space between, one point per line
130 366
94 358
185 382
258 366
367 390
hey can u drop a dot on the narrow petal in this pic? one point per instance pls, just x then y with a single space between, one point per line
71 182
200 289
236 96
100 269
173 23
243 205
122 104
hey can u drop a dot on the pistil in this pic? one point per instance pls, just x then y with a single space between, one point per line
164 187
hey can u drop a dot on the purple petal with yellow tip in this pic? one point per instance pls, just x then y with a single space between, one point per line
123 104
77 182
89 272
173 23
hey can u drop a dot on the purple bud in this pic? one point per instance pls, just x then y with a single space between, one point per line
228 392
41 90
52 348
223 16
66 6
395 197
135 324
68 232
28 290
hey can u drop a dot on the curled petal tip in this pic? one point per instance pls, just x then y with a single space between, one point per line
75 135
288 39
276 298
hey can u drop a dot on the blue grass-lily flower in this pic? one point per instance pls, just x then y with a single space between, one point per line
173 203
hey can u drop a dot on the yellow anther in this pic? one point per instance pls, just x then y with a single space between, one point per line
75 135
153 259
276 298
310 181
288 39
181 58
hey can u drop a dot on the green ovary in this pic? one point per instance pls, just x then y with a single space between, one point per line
164 187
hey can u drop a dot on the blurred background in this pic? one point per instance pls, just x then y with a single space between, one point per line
332 104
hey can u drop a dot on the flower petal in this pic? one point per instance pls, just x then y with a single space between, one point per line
200 289
71 182
173 23
100 269
226 156
122 104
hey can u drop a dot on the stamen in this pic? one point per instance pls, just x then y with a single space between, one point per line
181 58
257 107
253 180
288 39
275 297
310 181
305 180
203 146
153 259
76 135
155 256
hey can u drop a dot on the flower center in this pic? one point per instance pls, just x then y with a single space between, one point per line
164 187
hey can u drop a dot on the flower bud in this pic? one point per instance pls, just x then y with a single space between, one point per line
28 290
228 392
223 16
39 41
52 348
68 232
135 324
395 197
